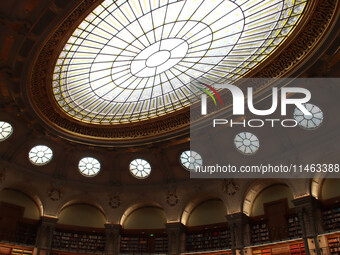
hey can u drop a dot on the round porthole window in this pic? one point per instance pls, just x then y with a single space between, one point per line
6 130
140 168
247 143
40 155
309 121
89 167
190 160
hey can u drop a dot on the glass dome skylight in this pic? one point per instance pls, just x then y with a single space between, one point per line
134 60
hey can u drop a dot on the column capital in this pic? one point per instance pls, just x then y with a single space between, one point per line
112 226
174 226
48 220
305 202
239 217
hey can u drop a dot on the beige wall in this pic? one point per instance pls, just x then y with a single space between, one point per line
208 212
330 188
270 194
21 199
146 218
82 215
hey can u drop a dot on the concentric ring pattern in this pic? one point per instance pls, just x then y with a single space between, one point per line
135 60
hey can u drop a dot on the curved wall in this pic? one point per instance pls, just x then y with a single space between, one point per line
272 193
146 218
31 210
82 215
208 212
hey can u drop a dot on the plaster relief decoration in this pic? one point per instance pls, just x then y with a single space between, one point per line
230 187
55 194
171 199
114 201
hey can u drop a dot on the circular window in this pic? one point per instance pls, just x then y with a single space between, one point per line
89 167
40 155
191 160
5 130
140 168
309 121
247 143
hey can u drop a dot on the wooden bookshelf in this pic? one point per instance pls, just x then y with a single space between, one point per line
226 252
7 249
68 253
334 244
263 251
208 238
133 244
331 218
297 249
287 248
161 244
78 241
294 226
259 231
26 232
148 241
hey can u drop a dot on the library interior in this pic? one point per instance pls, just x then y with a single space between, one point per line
95 127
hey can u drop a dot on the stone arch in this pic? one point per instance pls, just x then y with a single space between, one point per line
29 192
135 206
194 202
258 186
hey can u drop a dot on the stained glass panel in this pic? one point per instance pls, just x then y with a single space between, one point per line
135 60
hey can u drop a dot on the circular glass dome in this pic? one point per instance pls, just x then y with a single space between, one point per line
89 167
309 122
6 130
138 60
140 168
190 160
247 143
40 155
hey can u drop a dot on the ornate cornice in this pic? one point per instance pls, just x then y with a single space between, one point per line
315 24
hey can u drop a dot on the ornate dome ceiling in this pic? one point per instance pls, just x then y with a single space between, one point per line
61 62
133 61
35 37
119 74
